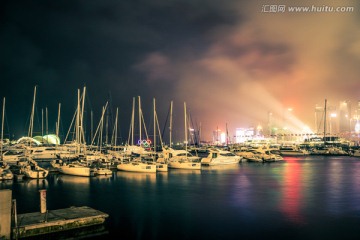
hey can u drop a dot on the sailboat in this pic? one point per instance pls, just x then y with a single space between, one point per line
77 168
136 164
182 159
5 172
98 158
220 157
161 166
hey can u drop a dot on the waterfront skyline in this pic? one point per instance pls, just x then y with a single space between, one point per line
232 63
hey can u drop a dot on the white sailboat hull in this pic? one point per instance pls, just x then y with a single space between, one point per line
185 165
161 167
76 170
215 162
136 167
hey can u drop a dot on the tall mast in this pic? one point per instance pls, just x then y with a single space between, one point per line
107 127
30 133
200 134
58 121
115 127
325 123
170 128
102 126
185 127
46 121
132 122
42 122
140 135
154 130
77 124
82 116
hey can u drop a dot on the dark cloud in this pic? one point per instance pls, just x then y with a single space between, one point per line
228 61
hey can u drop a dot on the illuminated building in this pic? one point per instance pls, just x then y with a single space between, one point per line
243 134
344 116
356 119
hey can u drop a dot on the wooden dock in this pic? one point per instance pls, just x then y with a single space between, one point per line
35 224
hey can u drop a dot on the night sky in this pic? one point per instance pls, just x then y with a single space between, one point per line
231 61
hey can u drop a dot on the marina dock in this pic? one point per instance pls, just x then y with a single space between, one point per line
34 224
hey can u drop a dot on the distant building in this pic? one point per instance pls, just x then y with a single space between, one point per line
344 116
243 134
356 119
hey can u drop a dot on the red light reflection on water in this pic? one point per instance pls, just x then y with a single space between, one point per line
291 190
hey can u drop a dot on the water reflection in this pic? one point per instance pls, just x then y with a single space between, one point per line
162 177
292 196
6 184
73 180
304 198
335 186
136 177
102 178
75 190
220 168
35 183
184 171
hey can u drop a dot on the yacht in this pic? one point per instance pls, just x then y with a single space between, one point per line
181 159
268 155
44 153
292 150
329 150
12 156
220 157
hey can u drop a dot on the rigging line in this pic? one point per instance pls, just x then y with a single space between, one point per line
192 124
100 125
143 122
72 121
157 121
166 121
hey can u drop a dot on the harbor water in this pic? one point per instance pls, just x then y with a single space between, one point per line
312 197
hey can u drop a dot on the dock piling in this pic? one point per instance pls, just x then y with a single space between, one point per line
43 201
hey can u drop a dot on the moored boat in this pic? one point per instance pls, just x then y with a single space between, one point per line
292 150
180 159
220 157
35 172
76 169
137 166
